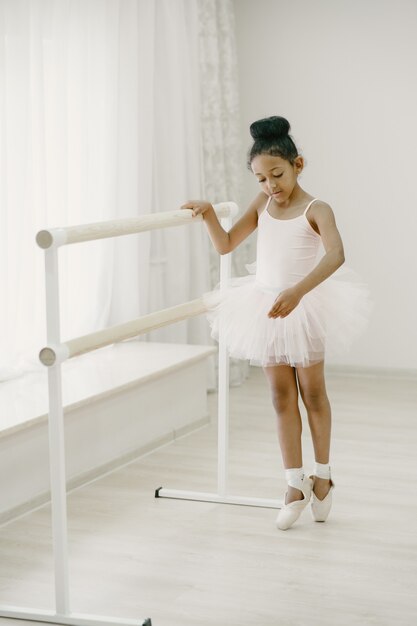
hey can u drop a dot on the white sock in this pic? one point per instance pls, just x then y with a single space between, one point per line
322 470
294 477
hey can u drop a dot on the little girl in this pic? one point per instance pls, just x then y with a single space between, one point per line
290 310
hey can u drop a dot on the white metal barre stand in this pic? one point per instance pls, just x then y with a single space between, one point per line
62 615
221 496
50 242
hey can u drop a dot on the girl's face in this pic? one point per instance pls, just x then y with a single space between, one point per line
276 176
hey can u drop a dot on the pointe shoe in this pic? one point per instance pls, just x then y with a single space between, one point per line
320 509
289 513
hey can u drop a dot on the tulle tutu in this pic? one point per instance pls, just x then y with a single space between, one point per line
325 322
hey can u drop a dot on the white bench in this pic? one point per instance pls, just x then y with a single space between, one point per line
120 402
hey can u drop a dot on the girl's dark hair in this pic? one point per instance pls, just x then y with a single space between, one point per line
271 137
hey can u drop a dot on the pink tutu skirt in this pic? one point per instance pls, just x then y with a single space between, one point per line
325 322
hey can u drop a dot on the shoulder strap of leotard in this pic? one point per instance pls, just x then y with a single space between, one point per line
266 206
309 205
305 211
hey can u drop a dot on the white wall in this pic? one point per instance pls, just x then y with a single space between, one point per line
344 75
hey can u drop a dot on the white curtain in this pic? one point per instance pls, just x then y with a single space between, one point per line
221 143
101 118
94 126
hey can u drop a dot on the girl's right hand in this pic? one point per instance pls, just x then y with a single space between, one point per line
199 207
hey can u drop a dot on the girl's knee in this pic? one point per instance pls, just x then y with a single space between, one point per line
284 400
313 387
283 385
314 398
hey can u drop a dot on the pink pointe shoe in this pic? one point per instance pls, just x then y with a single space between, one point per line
320 509
290 513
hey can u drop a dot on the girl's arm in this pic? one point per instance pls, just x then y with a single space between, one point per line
223 241
323 217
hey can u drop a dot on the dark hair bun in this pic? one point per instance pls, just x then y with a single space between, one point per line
270 128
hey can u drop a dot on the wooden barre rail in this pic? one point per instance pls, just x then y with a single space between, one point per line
51 355
55 237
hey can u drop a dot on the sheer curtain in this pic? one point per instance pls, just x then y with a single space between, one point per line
86 95
221 143
100 118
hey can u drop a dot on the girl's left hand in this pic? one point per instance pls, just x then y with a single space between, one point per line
285 303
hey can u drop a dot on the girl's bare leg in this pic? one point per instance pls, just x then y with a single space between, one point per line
283 384
313 393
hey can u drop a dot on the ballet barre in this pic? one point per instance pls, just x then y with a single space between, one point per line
55 237
56 352
80 345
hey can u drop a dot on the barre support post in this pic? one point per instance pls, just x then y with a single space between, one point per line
223 380
56 438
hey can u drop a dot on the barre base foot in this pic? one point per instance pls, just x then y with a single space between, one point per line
70 619
217 498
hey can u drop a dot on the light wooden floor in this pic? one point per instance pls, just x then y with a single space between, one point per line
198 564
